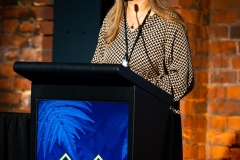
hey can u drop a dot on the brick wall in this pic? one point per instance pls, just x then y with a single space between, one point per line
224 87
26 29
210 114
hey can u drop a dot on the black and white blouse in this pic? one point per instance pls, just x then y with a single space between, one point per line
161 43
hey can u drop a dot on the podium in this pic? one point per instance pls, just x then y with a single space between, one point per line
94 111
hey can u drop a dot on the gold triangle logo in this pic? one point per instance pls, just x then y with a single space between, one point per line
98 157
65 156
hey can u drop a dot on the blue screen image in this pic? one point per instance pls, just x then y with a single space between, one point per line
82 130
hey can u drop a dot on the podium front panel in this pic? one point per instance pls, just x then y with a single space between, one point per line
82 122
74 129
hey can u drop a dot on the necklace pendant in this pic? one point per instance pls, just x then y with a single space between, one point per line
132 27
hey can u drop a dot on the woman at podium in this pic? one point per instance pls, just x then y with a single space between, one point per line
150 38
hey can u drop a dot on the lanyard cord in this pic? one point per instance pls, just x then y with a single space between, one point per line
128 57
139 33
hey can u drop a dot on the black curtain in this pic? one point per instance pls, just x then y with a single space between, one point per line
14 136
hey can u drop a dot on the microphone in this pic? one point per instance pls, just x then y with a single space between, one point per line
136 9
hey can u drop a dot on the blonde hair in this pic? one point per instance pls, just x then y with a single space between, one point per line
160 7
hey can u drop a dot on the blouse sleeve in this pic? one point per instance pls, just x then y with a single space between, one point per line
101 46
179 79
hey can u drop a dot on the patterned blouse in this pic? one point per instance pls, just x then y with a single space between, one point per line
160 41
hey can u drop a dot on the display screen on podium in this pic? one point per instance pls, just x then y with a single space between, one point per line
77 130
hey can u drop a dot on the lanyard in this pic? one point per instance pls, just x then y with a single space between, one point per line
126 58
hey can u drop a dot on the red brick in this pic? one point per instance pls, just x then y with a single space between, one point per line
205 4
189 151
203 47
218 32
216 92
14 12
194 137
223 47
47 56
194 152
233 123
236 4
6 70
218 122
186 136
27 27
43 13
236 62
235 32
224 17
5 84
15 41
193 107
11 54
201 77
220 152
224 107
222 138
191 16
221 4
200 62
10 98
28 55
194 122
197 31
238 137
10 26
37 41
219 62
47 42
190 4
46 27
199 92
233 92
21 84
221 77
234 153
